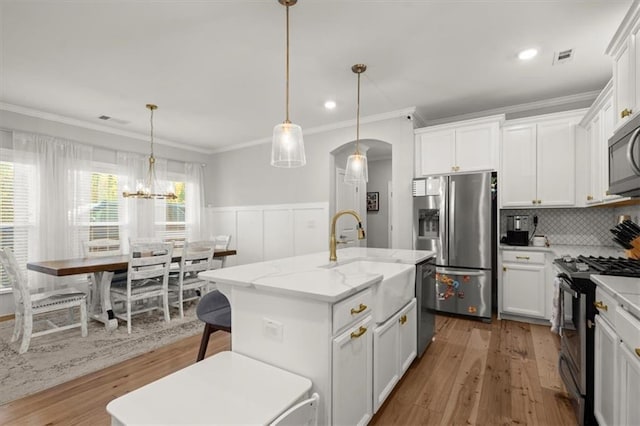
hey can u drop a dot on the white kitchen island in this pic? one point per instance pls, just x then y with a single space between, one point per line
326 320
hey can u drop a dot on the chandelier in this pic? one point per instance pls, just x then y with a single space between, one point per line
356 171
287 149
149 188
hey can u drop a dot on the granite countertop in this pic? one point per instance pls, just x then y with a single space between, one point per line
624 289
313 275
560 250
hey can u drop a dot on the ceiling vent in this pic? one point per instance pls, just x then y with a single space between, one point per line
563 56
115 120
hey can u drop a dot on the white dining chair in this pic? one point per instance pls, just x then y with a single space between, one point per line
196 257
147 278
304 413
221 243
28 305
101 247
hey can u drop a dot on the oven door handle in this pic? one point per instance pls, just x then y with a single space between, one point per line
564 286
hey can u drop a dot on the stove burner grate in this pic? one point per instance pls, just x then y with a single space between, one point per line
613 265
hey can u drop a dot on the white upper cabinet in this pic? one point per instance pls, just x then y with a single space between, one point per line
538 161
593 165
624 49
465 146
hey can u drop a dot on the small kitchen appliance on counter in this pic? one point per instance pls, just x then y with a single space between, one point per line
517 230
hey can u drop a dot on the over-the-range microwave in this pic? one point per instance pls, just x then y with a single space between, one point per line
624 159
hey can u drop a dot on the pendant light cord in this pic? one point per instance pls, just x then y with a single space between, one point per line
287 72
358 120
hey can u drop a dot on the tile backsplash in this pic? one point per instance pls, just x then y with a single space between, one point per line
579 226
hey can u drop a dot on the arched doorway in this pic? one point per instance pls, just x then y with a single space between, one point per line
378 218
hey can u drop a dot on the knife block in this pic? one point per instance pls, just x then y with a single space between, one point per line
634 253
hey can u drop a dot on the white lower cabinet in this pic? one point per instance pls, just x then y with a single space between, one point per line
395 347
524 282
352 375
629 385
616 363
605 360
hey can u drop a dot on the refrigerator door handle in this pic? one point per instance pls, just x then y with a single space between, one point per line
443 256
451 217
459 272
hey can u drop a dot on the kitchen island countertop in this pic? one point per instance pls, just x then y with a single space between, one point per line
312 275
625 290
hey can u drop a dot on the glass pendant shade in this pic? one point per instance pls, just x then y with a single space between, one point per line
287 149
357 170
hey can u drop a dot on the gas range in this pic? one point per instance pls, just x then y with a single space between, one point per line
584 266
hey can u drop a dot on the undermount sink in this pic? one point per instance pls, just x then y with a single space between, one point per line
395 290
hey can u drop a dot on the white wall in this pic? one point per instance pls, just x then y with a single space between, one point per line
245 177
378 222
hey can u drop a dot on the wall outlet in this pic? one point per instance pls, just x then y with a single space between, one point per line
272 329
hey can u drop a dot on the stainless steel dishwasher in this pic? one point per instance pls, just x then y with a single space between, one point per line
425 285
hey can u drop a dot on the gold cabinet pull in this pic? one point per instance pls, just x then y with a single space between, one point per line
504 268
522 257
360 308
403 319
599 305
625 113
358 333
533 201
589 197
638 351
539 201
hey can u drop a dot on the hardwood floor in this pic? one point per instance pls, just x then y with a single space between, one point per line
472 373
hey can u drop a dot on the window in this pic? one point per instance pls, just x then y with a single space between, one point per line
105 201
170 223
15 201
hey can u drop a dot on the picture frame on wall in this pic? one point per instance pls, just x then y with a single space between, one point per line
373 204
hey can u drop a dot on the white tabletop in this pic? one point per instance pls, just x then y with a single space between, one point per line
224 389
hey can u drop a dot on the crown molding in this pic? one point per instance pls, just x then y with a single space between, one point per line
407 112
624 29
530 106
92 126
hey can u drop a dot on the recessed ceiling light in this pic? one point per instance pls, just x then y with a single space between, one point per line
330 104
527 54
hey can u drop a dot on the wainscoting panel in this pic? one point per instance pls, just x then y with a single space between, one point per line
278 234
270 232
311 230
249 233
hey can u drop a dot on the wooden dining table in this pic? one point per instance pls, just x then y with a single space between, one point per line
103 269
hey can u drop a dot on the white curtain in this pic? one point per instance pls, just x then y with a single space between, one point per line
194 202
139 215
59 199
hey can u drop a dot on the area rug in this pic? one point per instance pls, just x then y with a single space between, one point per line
59 357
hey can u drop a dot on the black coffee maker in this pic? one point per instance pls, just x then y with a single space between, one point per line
517 230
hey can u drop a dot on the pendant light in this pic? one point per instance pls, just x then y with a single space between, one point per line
356 171
287 150
149 188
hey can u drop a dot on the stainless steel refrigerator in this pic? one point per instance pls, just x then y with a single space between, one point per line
456 217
